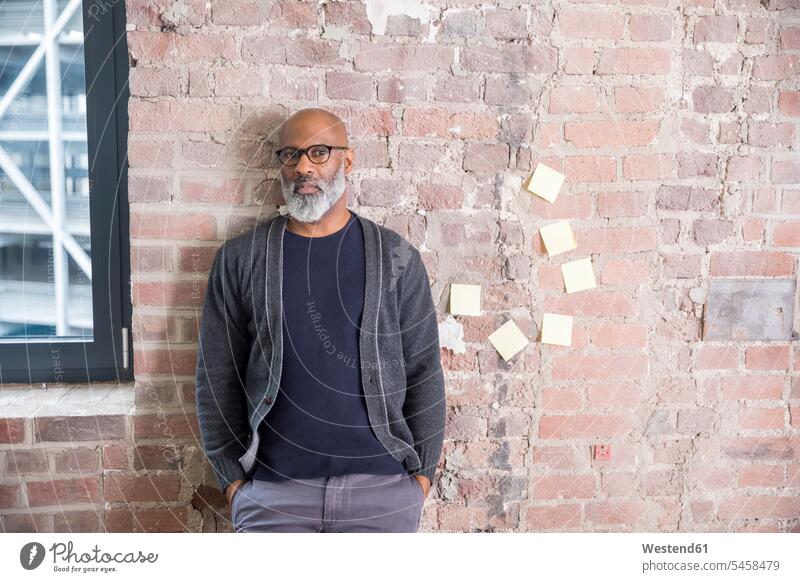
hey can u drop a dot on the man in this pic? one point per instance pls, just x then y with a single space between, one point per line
320 390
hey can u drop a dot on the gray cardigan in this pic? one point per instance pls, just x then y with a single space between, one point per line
241 350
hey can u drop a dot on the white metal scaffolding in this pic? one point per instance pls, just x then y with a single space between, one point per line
53 215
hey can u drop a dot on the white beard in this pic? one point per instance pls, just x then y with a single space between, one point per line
311 207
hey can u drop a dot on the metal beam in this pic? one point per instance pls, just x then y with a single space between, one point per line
57 194
43 210
30 67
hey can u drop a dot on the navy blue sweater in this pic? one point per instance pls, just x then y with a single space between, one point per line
318 426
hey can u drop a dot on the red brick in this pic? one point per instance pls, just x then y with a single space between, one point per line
625 272
681 266
790 203
616 365
347 85
610 133
621 512
170 293
708 232
164 426
412 57
78 428
619 335
695 164
762 448
157 259
583 426
770 135
593 303
786 234
553 517
127 520
579 60
63 492
485 158
452 89
242 82
565 206
115 457
603 395
789 103
162 457
767 357
171 361
366 121
634 61
180 116
440 196
193 259
638 99
151 154
761 418
9 496
775 67
761 476
759 507
716 29
790 38
437 122
713 99
591 25
650 27
506 24
178 49
622 239
573 100
213 191
560 399
580 169
12 430
564 487
24 462
150 487
510 58
786 172
751 264
716 358
744 168
647 166
77 460
179 226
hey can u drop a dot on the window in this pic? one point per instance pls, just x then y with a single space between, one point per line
64 251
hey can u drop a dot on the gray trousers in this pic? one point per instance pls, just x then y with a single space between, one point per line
357 502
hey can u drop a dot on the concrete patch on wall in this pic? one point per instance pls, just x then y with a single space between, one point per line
379 11
750 310
451 335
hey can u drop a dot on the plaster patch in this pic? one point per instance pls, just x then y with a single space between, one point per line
451 335
379 11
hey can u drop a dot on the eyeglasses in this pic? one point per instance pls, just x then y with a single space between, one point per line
318 154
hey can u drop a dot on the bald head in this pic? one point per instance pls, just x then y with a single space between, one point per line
311 126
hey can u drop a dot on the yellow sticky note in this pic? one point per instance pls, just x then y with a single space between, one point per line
557 329
508 339
545 182
465 299
558 237
578 275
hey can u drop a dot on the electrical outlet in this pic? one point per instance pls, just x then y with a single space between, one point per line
602 452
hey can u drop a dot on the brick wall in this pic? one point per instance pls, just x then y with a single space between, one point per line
676 124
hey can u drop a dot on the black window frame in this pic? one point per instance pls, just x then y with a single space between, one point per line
108 357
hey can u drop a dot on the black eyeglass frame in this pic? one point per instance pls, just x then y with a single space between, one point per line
303 151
